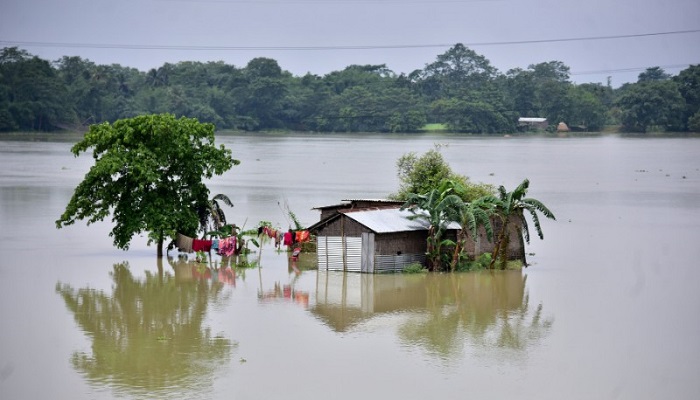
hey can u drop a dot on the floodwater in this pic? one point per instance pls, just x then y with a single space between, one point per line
607 310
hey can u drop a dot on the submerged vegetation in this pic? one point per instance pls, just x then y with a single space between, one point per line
437 196
148 174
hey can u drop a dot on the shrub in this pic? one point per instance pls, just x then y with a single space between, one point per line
481 262
414 268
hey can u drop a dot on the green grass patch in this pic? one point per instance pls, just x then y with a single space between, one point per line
434 128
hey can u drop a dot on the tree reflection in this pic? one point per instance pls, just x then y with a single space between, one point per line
489 309
440 312
147 335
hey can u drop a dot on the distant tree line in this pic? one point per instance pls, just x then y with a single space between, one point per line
460 89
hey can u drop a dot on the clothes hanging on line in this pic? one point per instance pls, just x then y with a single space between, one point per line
183 243
227 246
201 245
302 236
288 238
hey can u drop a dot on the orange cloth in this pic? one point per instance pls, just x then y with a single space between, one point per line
303 236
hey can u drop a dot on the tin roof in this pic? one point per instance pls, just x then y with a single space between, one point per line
390 220
376 201
348 202
527 119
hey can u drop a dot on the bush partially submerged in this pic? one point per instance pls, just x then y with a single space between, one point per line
414 268
481 262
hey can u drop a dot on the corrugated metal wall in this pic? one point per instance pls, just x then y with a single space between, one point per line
332 257
396 263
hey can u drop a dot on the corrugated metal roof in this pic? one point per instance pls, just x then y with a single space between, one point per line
331 206
390 220
528 119
376 200
348 202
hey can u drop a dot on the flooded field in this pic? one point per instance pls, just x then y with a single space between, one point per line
608 308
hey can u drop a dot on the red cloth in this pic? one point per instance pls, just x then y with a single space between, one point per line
201 245
288 239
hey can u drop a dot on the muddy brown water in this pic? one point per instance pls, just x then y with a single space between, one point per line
608 308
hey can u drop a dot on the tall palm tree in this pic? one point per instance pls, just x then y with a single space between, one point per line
472 216
211 215
437 210
511 207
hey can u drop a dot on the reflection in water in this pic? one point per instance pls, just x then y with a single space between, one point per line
147 335
440 312
214 272
285 292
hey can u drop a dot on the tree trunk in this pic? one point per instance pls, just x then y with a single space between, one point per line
160 245
458 250
499 244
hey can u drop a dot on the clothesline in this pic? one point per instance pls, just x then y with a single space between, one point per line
228 246
223 247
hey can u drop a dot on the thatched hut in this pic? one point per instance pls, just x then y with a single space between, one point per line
562 127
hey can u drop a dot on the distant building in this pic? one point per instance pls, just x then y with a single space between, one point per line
536 123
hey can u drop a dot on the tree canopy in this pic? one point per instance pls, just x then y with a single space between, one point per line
420 174
459 89
148 175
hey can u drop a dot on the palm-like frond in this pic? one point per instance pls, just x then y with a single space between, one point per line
526 229
537 205
224 199
521 190
511 206
502 194
212 211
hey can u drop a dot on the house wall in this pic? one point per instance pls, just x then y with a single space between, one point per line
385 243
388 251
400 243
342 226
516 246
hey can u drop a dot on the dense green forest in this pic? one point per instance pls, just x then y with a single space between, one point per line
460 89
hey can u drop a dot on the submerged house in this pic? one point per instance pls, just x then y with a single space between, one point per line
374 236
533 123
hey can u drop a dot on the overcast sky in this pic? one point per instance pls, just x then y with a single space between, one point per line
320 36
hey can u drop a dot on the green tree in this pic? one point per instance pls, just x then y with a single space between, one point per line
586 109
694 122
541 91
689 86
148 174
421 174
456 73
653 103
31 93
471 117
471 217
260 96
510 208
653 74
